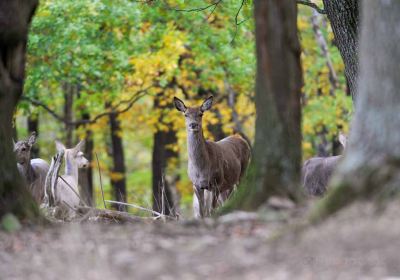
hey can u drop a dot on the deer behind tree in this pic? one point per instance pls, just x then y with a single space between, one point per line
213 167
34 171
317 171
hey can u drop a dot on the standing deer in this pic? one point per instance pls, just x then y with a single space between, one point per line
317 171
34 171
67 191
213 167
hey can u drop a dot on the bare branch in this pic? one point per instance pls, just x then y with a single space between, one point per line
113 110
312 5
214 5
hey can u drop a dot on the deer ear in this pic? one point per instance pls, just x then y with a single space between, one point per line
59 146
179 105
343 140
79 146
207 104
32 139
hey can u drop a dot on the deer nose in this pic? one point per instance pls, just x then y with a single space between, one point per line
193 126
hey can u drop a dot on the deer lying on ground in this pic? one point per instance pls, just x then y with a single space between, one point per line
67 191
213 167
317 171
33 171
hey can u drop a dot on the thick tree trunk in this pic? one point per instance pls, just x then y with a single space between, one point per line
15 17
118 182
371 165
344 19
275 167
33 126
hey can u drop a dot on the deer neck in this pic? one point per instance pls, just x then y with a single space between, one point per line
71 169
197 148
28 171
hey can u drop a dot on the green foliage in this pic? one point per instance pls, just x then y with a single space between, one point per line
10 223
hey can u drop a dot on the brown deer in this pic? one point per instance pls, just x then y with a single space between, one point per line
213 167
34 171
317 171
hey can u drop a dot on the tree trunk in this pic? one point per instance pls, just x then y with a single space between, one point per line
33 126
343 16
275 167
371 165
118 182
68 113
15 17
86 174
165 195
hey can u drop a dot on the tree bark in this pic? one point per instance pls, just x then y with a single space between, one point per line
275 167
33 126
68 113
371 165
165 195
119 183
86 174
15 17
344 19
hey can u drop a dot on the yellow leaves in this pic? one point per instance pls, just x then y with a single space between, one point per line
116 176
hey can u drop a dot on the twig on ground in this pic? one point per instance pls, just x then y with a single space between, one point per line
137 207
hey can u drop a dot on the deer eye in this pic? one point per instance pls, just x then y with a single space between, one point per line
186 115
200 114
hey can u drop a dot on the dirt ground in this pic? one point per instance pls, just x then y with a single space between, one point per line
357 243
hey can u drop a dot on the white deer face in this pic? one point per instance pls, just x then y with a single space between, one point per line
74 155
193 115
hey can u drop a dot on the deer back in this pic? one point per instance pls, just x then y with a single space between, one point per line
316 173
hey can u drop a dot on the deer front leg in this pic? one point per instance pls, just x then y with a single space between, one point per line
198 202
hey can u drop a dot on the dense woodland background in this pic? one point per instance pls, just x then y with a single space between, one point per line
107 71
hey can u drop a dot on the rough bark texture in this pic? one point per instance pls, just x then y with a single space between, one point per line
15 17
372 161
275 167
344 19
118 184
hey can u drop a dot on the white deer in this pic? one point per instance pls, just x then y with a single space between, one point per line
34 171
67 192
317 171
213 167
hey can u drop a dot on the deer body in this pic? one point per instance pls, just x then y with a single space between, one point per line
34 171
67 190
213 167
316 172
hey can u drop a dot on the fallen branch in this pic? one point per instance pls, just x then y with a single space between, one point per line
136 207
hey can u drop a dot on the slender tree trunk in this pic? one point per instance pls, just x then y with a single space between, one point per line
371 165
118 182
343 16
165 195
15 17
33 126
69 113
275 167
86 175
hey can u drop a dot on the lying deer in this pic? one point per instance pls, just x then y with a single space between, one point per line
213 167
67 191
34 171
317 171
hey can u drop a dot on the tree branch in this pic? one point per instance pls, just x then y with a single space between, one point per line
312 5
113 110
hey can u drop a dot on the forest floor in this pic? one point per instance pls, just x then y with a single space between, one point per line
357 243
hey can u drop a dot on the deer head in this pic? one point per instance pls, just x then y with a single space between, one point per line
22 149
193 115
74 156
